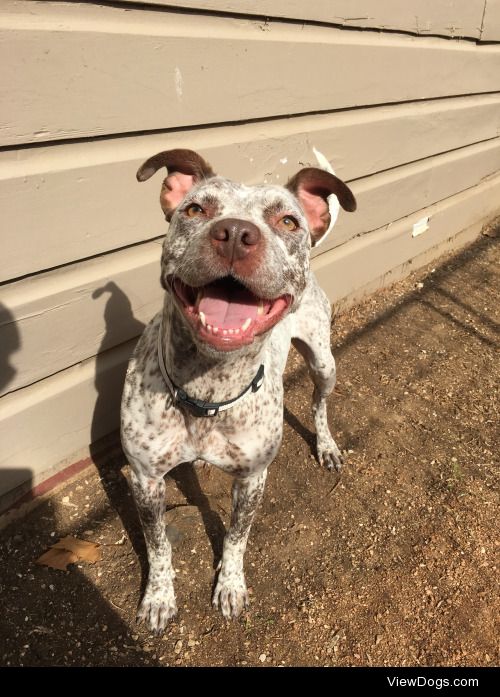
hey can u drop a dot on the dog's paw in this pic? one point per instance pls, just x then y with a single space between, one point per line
230 595
157 607
330 457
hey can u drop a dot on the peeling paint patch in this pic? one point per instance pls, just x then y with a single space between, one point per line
333 202
322 161
178 82
420 226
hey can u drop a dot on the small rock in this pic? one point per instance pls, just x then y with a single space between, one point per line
262 657
178 646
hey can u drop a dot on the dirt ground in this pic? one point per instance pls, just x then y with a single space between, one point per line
394 564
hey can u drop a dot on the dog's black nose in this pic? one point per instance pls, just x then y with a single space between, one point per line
235 239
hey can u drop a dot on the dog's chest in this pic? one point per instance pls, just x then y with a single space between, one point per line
243 439
240 442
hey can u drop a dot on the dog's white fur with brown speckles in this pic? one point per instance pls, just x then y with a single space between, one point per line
230 249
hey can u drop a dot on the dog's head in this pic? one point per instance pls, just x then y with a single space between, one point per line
236 257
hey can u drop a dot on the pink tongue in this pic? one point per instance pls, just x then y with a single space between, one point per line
226 312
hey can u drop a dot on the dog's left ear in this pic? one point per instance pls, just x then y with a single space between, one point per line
312 186
185 169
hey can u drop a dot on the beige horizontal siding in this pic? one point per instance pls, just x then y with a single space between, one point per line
345 270
43 424
49 420
397 193
89 91
85 199
452 18
113 71
99 304
491 21
71 314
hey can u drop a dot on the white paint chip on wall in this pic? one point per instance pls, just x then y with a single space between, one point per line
178 82
333 201
420 226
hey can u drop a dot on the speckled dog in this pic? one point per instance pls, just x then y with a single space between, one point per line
205 381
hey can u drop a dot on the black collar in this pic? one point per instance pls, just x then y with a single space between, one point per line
197 406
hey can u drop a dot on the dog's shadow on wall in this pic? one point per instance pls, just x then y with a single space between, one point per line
107 453
10 343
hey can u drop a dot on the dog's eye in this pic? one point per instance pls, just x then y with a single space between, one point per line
193 210
289 223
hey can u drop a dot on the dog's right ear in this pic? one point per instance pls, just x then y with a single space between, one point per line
185 169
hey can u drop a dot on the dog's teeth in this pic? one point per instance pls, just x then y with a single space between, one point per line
203 319
246 324
230 331
209 327
215 330
260 309
199 297
224 331
236 331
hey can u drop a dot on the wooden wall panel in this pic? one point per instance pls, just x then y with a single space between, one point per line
49 420
70 201
395 194
46 422
452 18
404 111
491 21
69 315
343 271
113 71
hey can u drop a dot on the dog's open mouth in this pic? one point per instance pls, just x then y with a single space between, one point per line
225 313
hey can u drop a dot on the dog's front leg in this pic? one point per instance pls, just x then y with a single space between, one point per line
231 593
158 604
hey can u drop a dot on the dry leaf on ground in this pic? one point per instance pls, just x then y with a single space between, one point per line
68 551
57 559
85 551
